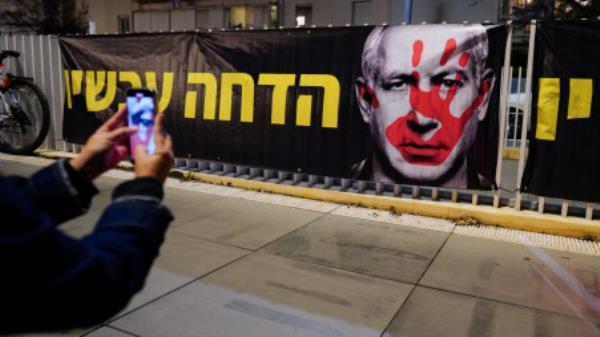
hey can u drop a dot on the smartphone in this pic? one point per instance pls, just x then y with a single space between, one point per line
141 110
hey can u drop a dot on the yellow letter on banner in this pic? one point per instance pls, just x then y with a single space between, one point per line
280 83
228 80
130 77
68 90
210 95
331 100
303 110
77 78
167 88
94 87
580 98
547 114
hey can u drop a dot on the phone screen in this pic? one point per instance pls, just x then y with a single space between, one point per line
140 113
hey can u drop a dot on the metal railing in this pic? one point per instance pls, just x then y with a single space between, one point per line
41 60
515 107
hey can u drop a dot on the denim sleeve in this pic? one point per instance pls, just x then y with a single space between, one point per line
58 282
60 192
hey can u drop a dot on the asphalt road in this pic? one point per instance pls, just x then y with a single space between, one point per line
244 264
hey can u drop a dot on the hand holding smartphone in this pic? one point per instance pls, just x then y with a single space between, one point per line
141 113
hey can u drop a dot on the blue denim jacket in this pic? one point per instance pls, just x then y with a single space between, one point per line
49 280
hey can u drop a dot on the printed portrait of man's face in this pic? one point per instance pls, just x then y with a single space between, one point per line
141 116
423 92
145 122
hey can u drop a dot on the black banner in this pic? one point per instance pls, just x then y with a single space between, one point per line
564 143
406 104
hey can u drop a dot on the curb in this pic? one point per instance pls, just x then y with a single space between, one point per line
487 215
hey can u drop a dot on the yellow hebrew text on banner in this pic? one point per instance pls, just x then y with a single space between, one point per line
331 100
303 110
281 83
246 84
580 98
97 84
130 77
68 88
77 77
547 113
210 95
100 88
167 88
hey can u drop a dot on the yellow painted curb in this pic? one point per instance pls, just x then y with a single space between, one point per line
512 153
487 215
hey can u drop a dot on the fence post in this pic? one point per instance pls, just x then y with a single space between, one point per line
526 113
519 74
54 120
564 209
503 103
511 72
589 211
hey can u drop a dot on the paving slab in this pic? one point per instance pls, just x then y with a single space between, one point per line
336 277
109 332
183 204
434 313
69 333
243 223
373 248
265 295
192 257
516 274
10 168
182 259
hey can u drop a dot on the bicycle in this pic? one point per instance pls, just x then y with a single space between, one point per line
24 111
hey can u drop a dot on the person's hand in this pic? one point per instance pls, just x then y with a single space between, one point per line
158 164
105 148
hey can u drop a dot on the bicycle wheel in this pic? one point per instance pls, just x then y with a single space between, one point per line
26 129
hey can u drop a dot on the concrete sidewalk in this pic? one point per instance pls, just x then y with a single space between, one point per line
242 264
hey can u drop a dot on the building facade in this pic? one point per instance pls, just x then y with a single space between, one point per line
112 16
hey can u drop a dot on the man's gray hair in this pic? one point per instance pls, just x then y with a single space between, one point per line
476 43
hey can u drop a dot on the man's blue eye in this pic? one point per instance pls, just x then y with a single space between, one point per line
452 83
394 85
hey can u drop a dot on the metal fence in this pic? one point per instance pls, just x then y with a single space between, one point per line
515 107
41 60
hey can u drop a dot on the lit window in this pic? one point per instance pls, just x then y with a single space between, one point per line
303 15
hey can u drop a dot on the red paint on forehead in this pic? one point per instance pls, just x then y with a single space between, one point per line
463 60
448 51
417 52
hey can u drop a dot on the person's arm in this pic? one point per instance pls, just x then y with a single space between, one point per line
57 282
58 190
64 190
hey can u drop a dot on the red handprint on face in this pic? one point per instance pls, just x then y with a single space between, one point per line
429 132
